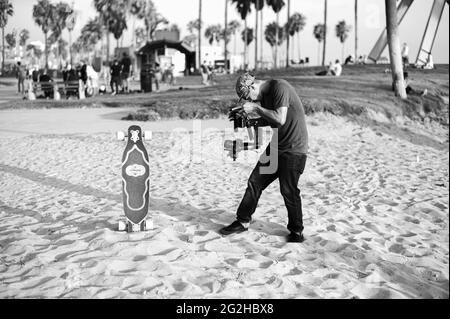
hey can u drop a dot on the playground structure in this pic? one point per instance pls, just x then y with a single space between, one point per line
429 34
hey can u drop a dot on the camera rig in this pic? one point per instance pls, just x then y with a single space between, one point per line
242 120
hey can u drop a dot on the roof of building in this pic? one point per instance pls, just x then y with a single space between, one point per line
177 45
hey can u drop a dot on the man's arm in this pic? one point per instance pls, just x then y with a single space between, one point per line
277 116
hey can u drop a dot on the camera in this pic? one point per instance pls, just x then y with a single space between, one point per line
242 120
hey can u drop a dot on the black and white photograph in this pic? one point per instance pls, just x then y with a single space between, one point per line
249 151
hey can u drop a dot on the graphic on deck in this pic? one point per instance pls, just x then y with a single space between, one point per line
136 200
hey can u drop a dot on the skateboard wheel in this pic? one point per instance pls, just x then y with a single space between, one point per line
121 136
135 228
122 226
148 224
147 135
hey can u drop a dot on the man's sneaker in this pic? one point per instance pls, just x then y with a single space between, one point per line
295 237
235 228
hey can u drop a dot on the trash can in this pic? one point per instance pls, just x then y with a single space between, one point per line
146 78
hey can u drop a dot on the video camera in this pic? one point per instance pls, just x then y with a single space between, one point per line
241 119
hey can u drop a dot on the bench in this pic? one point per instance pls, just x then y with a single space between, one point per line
68 88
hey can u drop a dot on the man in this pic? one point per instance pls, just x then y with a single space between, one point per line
116 69
405 55
205 73
21 75
126 70
277 102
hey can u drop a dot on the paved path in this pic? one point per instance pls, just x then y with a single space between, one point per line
73 121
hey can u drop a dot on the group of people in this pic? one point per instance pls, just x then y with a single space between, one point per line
120 72
208 73
333 69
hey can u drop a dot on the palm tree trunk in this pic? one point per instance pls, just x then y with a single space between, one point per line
256 38
262 37
245 44
288 37
356 30
277 39
226 38
46 51
298 43
199 32
342 52
394 48
107 47
3 50
325 37
70 47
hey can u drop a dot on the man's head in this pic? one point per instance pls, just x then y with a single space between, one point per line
247 88
18 63
124 54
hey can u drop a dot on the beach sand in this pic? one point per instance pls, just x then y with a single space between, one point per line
376 216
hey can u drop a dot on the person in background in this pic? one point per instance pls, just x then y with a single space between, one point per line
405 55
336 68
46 84
126 71
158 75
21 75
116 70
349 60
204 71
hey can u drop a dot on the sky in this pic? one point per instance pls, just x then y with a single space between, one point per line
371 22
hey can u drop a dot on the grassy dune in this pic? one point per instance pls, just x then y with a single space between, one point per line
361 92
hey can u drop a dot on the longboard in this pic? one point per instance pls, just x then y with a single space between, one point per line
135 180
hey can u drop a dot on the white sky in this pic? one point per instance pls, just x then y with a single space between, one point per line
371 23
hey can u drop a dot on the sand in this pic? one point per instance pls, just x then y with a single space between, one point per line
376 215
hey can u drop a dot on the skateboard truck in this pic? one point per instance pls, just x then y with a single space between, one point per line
135 180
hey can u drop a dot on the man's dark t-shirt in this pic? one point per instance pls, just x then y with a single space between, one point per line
293 135
126 63
115 70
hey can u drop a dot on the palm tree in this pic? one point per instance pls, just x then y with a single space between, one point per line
6 9
43 15
274 35
234 27
319 34
244 8
325 33
136 10
295 25
342 30
24 35
276 5
139 34
259 6
394 48
247 35
62 12
70 24
109 11
92 33
195 25
213 33
11 40
117 25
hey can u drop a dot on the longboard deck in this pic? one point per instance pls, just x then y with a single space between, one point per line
135 177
